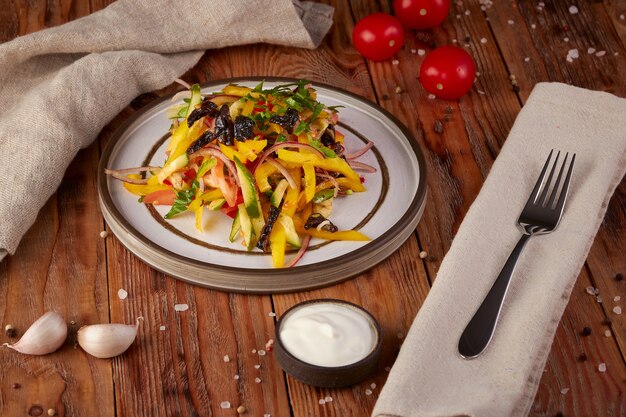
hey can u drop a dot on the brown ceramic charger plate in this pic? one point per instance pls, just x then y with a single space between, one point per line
387 212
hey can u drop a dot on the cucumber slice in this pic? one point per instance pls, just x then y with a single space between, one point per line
216 204
250 196
290 230
173 166
196 98
279 193
246 226
235 228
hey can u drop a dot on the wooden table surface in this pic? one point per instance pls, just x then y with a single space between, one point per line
64 264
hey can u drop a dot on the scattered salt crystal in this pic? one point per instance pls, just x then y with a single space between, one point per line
527 59
590 290
564 391
122 294
602 367
225 404
542 4
566 39
162 328
253 351
322 401
481 92
226 358
477 74
615 53
421 52
373 385
617 298
368 392
395 62
598 299
533 26
267 415
387 368
622 17
617 310
103 234
413 51
328 399
236 377
271 314
261 353
510 22
607 333
400 336
458 16
431 96
467 13
181 307
596 291
257 366
591 50
572 54
423 254
600 53
483 40
454 40
257 380
573 9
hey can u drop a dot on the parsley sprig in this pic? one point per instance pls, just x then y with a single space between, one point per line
183 199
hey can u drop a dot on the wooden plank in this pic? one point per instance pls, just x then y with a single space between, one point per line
48 270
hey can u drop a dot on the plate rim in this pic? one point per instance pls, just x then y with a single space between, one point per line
395 236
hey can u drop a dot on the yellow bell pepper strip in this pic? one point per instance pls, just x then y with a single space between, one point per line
330 164
262 174
211 195
198 213
143 189
247 108
250 148
351 235
178 136
344 182
231 152
235 90
291 199
278 245
153 180
309 181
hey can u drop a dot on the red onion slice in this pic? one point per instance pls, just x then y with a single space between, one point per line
120 174
213 150
360 166
303 248
283 171
360 151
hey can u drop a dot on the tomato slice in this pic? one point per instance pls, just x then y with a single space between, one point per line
161 198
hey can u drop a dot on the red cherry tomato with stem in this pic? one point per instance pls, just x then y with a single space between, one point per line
378 36
421 14
448 72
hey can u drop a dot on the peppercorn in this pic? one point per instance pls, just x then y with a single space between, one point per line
586 331
582 357
619 277
9 330
559 414
16 385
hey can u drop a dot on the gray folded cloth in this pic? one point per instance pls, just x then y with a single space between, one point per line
429 378
60 86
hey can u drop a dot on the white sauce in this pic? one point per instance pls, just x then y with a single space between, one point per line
328 334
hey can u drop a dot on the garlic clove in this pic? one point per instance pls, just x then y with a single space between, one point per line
107 340
44 336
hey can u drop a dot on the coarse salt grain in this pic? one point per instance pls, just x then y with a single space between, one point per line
600 53
572 54
533 26
590 290
257 380
481 92
598 299
257 366
510 22
395 62
322 401
527 59
622 17
253 351
602 367
387 368
226 358
236 377
573 9
400 336
225 404
607 333
458 16
431 96
181 307
261 352
103 234
617 310
421 52
368 392
566 39
423 254
328 399
413 51
122 294
564 391
373 385
467 13
267 415
617 298
162 328
591 50
271 314
483 40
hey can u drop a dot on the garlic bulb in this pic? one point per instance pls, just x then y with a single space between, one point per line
107 340
44 336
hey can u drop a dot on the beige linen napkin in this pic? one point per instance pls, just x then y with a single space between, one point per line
429 378
60 86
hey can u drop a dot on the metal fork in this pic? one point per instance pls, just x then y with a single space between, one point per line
541 215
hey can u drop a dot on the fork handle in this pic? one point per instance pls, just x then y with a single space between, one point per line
479 330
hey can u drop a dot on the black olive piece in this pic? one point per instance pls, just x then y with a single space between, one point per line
224 129
316 219
328 137
204 139
244 128
287 120
264 239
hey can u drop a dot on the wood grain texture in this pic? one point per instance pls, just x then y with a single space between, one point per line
180 370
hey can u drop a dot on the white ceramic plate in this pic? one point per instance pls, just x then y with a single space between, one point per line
387 212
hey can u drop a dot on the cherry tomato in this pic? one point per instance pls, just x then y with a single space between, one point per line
378 36
421 14
448 72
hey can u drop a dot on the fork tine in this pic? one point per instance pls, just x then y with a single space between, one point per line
557 182
533 194
542 199
561 201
